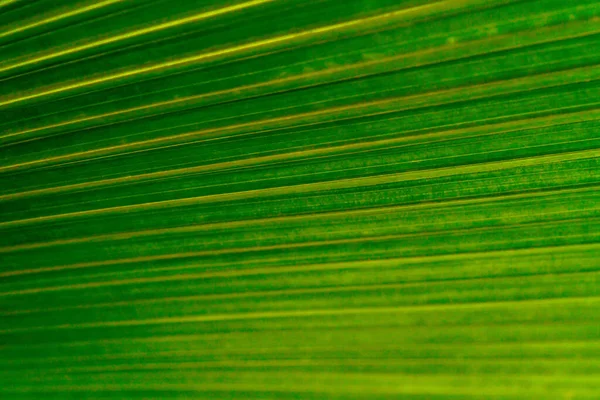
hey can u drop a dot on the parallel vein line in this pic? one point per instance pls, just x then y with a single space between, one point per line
382 18
132 34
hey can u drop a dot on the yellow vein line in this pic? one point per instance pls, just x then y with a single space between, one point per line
471 48
376 107
203 351
533 363
204 337
526 38
253 271
468 49
320 186
139 32
124 198
55 18
238 89
448 350
445 135
587 300
447 283
305 217
383 18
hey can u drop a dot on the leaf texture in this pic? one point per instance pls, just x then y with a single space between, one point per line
282 199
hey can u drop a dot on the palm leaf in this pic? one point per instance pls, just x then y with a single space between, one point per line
280 199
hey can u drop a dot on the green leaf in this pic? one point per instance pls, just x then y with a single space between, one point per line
281 199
